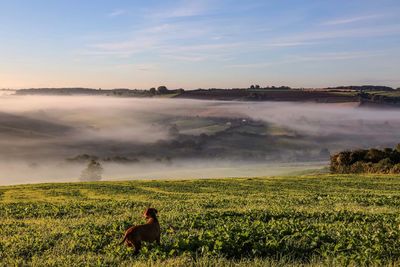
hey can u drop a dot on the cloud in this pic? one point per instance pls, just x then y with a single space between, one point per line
158 28
333 56
116 13
338 56
185 9
208 47
189 41
208 38
125 48
141 67
289 44
200 52
364 32
190 58
252 65
351 20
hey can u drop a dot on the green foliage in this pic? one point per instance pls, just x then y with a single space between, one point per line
324 219
162 89
366 161
152 91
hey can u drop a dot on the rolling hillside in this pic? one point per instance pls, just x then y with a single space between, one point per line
311 220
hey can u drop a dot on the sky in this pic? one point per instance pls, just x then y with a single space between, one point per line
198 44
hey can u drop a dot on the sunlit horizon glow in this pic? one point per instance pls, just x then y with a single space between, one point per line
199 44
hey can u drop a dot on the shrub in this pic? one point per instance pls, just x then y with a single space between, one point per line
344 158
357 155
395 168
375 155
367 161
384 166
358 167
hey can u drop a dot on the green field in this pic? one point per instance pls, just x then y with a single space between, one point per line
302 220
386 93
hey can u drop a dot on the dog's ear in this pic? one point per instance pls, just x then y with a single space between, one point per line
155 211
147 208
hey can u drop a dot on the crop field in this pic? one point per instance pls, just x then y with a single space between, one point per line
269 221
386 93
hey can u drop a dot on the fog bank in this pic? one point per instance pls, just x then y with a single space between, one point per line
43 138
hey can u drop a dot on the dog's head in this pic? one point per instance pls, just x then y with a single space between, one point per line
150 212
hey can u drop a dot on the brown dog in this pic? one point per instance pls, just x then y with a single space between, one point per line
148 232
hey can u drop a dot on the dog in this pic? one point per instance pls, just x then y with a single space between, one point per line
148 232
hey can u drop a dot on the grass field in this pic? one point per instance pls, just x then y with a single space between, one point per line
274 221
386 93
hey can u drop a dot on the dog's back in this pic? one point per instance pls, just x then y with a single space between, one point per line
148 232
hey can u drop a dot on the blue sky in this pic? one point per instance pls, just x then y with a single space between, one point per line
192 44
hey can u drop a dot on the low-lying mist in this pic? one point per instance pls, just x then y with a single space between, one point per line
51 138
52 171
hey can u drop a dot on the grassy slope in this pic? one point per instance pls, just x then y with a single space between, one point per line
262 221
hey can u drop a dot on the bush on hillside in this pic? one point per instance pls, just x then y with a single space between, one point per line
367 161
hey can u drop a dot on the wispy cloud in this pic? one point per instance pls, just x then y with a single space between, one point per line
158 28
160 37
207 47
140 67
253 65
183 40
352 19
190 58
333 56
289 44
338 56
122 48
359 32
200 52
187 8
116 13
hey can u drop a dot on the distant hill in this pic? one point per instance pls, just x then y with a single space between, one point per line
364 88
367 95
25 127
270 94
83 91
282 93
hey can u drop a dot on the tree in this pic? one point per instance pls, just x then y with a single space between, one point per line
92 172
358 155
344 158
375 155
162 89
152 90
